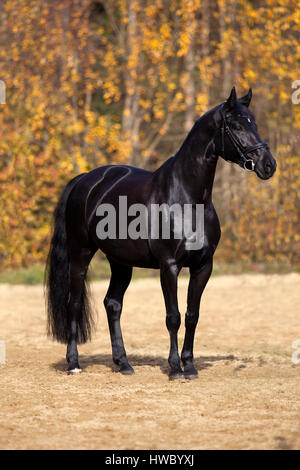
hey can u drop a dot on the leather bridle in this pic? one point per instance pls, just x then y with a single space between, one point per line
246 163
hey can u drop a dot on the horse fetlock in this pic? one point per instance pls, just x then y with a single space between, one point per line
124 366
119 357
174 362
187 358
73 363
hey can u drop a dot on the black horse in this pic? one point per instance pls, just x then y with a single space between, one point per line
229 130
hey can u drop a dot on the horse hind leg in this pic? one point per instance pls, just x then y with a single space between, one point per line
79 316
120 279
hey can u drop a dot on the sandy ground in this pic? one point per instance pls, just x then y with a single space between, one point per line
247 395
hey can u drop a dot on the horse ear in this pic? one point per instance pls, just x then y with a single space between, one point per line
231 101
245 100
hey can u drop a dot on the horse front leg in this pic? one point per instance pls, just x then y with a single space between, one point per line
168 277
113 302
198 280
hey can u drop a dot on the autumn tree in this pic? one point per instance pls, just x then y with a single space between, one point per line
122 81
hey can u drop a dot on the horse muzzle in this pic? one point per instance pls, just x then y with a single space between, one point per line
266 166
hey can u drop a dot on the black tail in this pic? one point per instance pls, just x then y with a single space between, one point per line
57 280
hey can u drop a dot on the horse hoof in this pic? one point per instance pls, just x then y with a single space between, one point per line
176 376
74 371
127 370
191 376
190 373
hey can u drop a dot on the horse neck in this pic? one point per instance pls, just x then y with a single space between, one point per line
194 165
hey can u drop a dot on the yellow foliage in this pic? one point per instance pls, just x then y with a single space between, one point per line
86 88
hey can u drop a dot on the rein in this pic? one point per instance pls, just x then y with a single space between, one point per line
246 163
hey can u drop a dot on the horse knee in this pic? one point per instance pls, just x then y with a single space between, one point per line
173 321
191 319
113 308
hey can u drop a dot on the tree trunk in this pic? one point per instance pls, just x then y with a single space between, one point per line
130 125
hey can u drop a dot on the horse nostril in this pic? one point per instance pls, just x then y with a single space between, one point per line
268 168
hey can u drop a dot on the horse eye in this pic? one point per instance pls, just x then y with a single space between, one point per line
237 127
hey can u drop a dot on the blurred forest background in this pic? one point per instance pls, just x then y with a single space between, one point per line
122 81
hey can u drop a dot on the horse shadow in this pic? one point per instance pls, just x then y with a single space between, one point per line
201 362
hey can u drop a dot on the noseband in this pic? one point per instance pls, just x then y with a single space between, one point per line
246 163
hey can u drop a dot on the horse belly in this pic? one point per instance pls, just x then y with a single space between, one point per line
129 252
